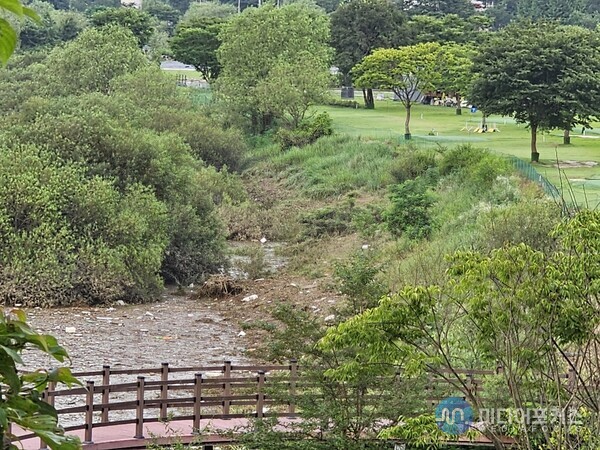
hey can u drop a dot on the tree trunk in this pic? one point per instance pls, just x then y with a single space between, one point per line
483 120
407 123
458 108
368 96
535 156
567 137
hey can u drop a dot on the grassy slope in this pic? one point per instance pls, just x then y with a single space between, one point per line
387 122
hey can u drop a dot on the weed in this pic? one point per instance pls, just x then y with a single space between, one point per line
255 265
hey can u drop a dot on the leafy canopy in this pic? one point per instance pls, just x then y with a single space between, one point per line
263 43
196 42
542 74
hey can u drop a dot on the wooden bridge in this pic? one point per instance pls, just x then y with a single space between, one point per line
130 408
205 405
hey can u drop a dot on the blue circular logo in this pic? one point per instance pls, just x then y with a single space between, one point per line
454 415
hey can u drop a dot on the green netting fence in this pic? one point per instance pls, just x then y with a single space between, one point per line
529 172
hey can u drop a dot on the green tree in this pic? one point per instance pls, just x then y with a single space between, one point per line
55 26
458 72
360 26
92 60
208 9
407 71
8 34
163 12
462 8
541 74
449 28
139 22
548 9
21 403
196 43
248 58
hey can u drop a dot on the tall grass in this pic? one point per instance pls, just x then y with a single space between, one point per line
335 165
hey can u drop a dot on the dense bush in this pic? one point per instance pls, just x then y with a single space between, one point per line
343 103
92 60
530 222
411 163
308 132
409 213
125 125
331 220
65 237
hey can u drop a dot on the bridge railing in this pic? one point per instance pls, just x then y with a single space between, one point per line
112 397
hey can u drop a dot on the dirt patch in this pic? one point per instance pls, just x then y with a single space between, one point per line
575 164
259 297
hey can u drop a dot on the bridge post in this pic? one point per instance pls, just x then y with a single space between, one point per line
139 415
105 392
471 387
89 413
197 402
226 387
164 390
293 379
46 397
260 396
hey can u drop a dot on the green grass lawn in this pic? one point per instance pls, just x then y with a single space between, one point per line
386 121
190 74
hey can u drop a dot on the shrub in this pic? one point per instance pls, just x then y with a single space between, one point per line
210 143
460 157
409 213
343 103
307 133
367 220
254 264
64 238
331 220
476 167
357 280
92 60
130 155
412 163
529 222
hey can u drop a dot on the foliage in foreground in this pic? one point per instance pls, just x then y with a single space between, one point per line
534 313
20 401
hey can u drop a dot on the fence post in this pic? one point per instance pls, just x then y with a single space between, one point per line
139 415
260 396
164 389
470 384
46 398
197 402
105 393
293 378
499 368
226 387
89 412
571 378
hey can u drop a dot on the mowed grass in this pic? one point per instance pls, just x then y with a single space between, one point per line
438 125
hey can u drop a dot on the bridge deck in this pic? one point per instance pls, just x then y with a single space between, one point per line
121 436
